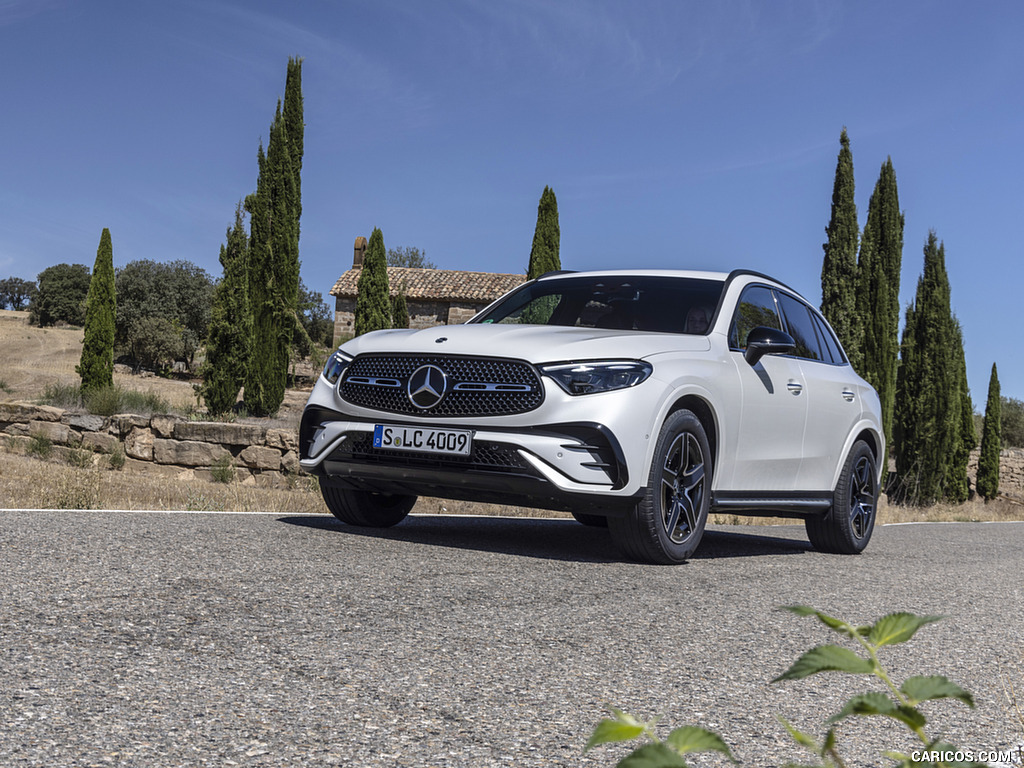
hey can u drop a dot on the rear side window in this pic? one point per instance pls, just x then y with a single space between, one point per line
757 307
801 328
829 342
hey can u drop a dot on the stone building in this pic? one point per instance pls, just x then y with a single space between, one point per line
433 296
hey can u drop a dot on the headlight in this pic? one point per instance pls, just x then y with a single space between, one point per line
336 364
590 377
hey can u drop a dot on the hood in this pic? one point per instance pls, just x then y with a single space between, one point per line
535 343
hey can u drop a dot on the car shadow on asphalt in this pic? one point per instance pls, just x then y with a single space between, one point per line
551 539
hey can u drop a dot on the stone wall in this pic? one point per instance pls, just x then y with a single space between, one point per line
159 442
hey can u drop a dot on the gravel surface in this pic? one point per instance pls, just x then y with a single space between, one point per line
188 640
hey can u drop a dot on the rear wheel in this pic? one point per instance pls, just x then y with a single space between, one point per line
362 508
846 528
668 523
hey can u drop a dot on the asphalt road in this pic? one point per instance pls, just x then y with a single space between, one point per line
183 639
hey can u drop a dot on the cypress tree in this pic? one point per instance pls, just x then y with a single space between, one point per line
275 209
878 291
988 461
544 253
373 302
958 486
400 310
96 366
839 267
928 409
230 337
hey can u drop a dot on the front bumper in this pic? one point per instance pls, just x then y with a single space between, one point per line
574 467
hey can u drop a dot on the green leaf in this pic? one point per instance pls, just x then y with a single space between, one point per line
897 628
801 738
865 704
692 739
829 621
608 731
911 716
653 756
935 687
826 658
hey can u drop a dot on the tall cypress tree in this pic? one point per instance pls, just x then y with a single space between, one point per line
544 253
96 366
373 301
878 290
991 439
928 408
839 267
229 341
957 486
275 209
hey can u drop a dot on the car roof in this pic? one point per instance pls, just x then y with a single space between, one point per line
702 275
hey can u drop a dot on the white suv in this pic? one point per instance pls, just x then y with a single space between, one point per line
643 400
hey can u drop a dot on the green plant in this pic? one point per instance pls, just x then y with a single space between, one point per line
223 470
39 445
80 457
66 396
117 457
106 401
4 386
898 702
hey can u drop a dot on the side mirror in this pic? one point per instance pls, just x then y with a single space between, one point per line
763 341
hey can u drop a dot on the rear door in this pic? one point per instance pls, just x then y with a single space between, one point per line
833 404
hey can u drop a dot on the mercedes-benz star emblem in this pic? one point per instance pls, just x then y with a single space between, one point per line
427 386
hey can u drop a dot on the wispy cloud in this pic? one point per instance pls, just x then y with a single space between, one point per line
14 11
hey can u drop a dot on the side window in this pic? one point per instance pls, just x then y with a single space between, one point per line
756 307
801 328
829 341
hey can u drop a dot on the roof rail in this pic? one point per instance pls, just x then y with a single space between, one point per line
554 272
749 272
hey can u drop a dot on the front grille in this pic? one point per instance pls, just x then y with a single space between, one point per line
476 386
485 457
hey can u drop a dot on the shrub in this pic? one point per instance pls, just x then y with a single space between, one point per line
40 446
80 457
117 457
106 401
223 470
4 386
77 489
66 396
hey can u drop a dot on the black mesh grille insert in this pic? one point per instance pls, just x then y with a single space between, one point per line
493 386
485 456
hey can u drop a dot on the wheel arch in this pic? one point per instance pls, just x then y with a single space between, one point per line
704 412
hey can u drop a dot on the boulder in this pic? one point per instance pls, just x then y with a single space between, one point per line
283 439
220 432
260 457
25 412
187 453
84 421
139 444
163 425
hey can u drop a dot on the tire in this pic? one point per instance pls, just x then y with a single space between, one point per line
593 521
367 510
668 523
846 528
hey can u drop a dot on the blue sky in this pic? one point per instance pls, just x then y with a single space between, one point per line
675 134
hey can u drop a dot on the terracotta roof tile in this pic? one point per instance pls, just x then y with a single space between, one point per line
437 284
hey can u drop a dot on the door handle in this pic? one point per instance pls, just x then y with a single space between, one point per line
795 387
848 396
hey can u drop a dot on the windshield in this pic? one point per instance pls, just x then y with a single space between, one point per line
622 302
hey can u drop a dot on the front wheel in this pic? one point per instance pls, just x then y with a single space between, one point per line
846 528
365 509
668 523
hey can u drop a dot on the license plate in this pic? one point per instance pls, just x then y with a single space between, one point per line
423 439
